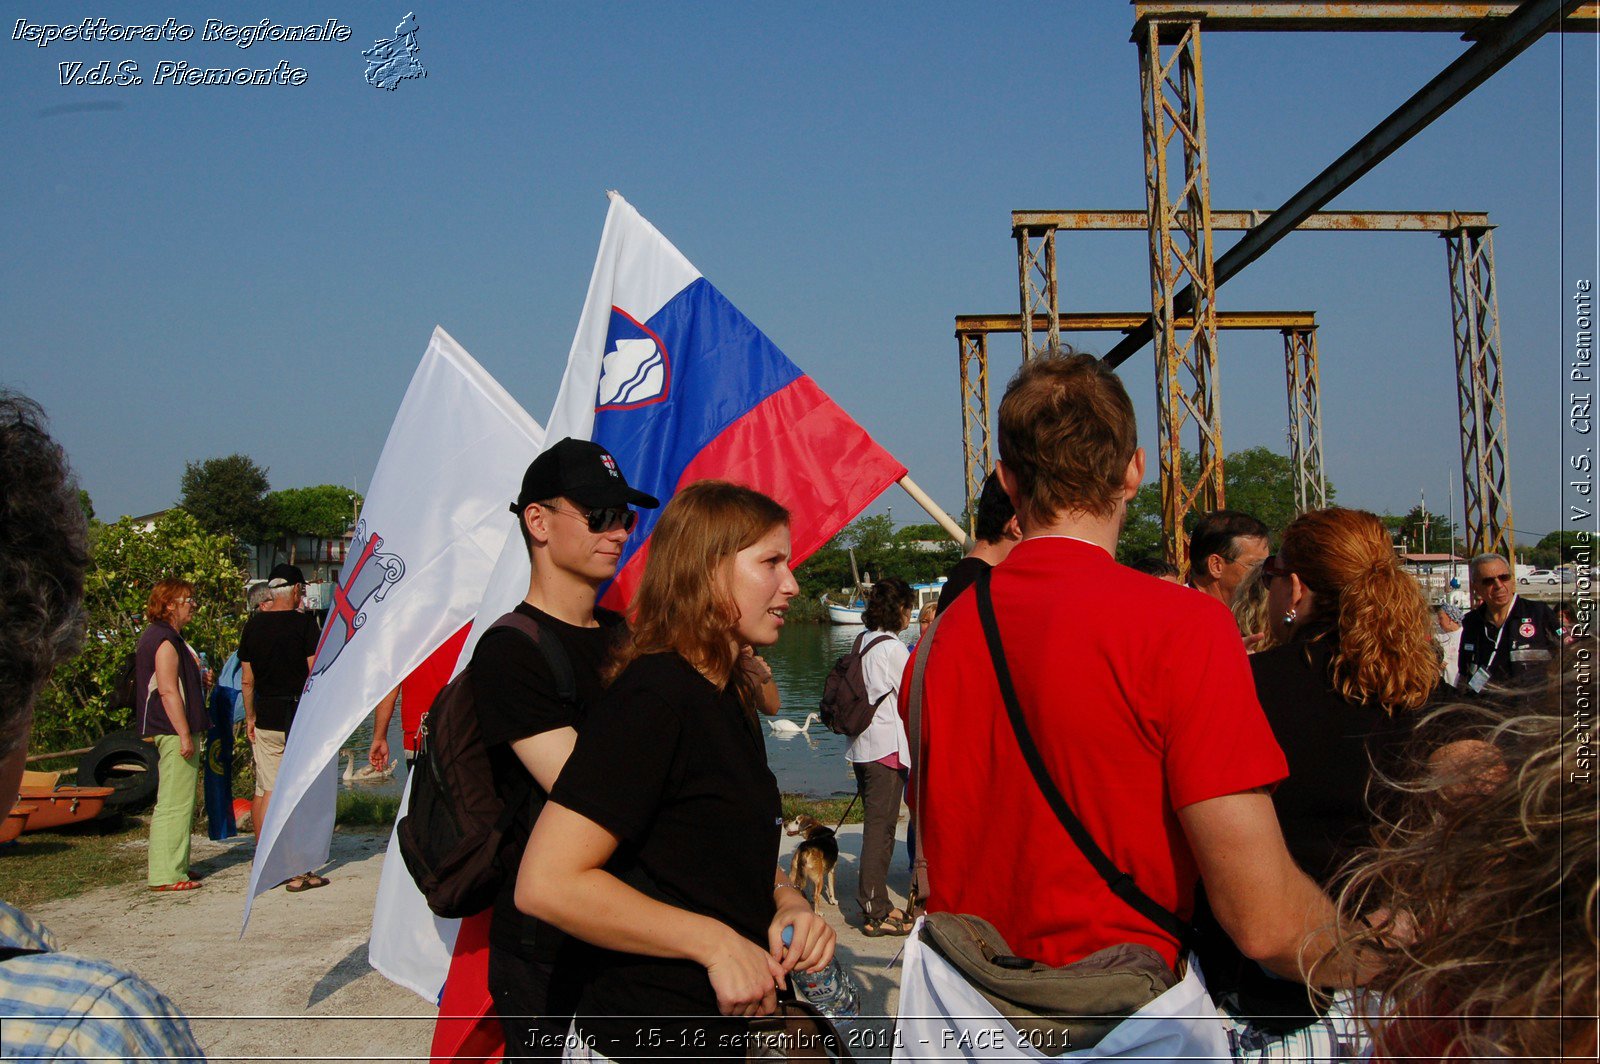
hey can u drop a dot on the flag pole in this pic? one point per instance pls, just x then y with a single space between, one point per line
921 498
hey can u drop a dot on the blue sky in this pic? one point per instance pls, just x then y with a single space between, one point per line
199 270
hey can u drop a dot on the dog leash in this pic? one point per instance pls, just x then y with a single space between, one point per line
847 809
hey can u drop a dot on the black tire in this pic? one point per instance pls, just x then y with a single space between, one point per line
125 763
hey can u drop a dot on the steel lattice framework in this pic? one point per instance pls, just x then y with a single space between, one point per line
1480 391
1304 378
972 340
1184 275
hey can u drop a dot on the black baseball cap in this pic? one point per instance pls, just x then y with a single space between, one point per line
285 576
580 470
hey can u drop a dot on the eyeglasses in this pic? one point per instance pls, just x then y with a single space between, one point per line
604 518
188 602
1498 578
1270 568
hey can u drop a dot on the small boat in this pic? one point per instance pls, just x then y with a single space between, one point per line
850 611
61 806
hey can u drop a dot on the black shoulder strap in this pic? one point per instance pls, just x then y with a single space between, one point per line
8 952
555 655
1121 884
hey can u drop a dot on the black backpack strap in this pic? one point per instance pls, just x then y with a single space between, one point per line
555 655
1121 884
8 952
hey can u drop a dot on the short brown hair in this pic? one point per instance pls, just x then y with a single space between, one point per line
164 598
1067 434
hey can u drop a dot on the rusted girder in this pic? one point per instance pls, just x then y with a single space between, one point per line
1322 221
1036 273
1122 322
1480 391
1177 183
1304 377
1469 20
977 455
1523 26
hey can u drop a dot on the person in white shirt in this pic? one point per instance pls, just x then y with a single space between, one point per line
880 754
1449 639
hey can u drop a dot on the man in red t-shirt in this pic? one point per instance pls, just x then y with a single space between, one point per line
1138 695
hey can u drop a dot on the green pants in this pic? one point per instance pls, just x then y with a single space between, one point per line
173 818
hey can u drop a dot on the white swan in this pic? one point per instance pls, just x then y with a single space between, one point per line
365 772
780 726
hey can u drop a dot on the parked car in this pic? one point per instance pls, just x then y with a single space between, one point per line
1539 576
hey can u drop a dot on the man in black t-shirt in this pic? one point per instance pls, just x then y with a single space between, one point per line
1507 639
276 649
994 532
574 514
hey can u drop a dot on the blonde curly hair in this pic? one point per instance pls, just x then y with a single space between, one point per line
1484 873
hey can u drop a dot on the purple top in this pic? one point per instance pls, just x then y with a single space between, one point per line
150 714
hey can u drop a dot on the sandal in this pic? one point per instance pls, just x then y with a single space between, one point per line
892 924
303 882
182 884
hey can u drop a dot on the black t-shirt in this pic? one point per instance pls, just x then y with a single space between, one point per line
1330 745
1527 643
961 576
516 697
698 818
276 644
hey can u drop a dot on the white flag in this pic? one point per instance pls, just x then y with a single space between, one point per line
436 518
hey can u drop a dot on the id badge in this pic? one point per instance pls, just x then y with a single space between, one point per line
1479 680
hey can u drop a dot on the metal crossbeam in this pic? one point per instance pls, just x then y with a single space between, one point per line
1305 418
1519 30
1480 390
1471 20
1123 321
1320 221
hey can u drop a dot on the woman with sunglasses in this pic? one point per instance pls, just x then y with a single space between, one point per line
657 852
169 694
1354 657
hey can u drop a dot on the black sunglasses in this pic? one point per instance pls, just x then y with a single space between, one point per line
1270 569
605 518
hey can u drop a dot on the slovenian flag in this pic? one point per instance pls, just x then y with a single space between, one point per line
680 386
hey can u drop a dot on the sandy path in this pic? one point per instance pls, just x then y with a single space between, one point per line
298 986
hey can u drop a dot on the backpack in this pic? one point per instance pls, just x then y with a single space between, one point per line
844 708
454 827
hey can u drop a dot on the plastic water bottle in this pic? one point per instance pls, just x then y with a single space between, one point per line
831 990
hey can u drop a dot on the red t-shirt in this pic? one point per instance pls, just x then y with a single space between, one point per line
418 690
1139 696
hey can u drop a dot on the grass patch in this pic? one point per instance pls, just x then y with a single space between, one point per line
827 810
45 865
360 809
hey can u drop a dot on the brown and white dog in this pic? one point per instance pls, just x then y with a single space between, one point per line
814 858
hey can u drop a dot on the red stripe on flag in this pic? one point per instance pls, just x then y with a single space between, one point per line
468 1027
801 448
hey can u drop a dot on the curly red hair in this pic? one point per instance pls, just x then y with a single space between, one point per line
1366 605
164 598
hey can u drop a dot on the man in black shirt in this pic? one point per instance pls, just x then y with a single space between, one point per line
1506 639
276 650
574 514
994 533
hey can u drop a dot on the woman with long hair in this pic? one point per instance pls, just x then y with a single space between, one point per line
1354 657
1485 869
658 850
880 755
169 694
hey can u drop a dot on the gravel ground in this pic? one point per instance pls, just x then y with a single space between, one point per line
298 987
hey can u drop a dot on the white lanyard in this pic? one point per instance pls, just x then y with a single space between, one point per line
1510 610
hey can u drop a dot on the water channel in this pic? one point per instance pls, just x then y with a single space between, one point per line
811 763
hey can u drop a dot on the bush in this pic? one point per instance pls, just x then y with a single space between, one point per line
126 562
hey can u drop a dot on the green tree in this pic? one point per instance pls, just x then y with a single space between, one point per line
1567 545
125 564
324 510
1440 530
87 504
228 496
1257 481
